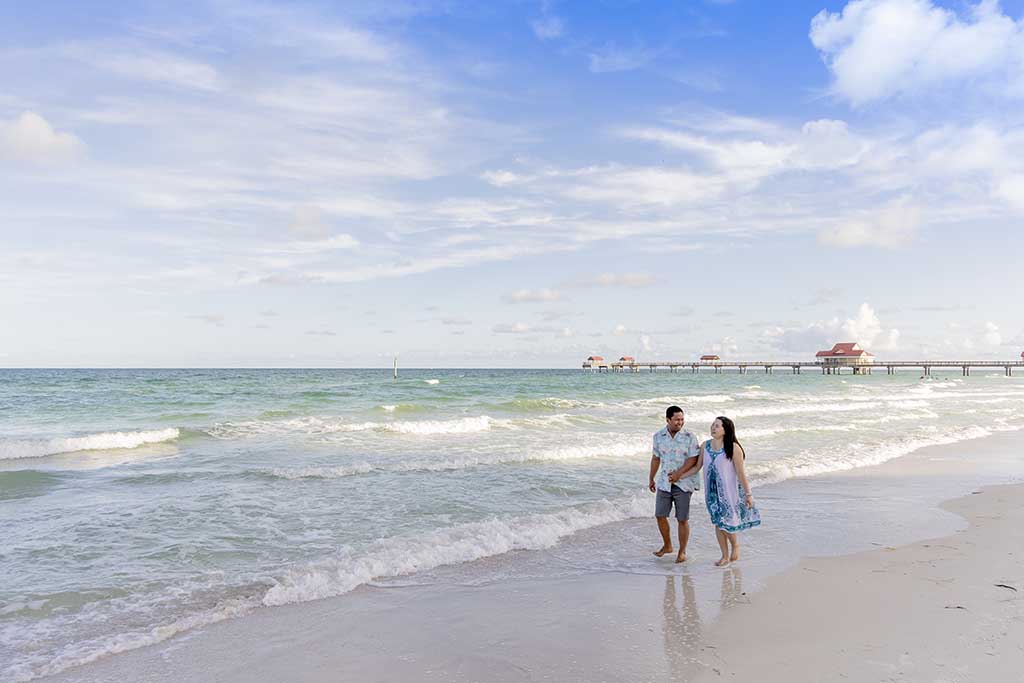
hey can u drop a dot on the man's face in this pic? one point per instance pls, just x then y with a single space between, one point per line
675 423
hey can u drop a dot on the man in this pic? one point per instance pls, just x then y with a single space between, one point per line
675 451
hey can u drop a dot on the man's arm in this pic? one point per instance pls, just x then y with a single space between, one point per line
655 464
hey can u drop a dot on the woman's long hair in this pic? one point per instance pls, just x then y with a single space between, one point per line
730 435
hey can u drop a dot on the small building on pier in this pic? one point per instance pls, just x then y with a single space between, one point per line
627 359
709 357
846 355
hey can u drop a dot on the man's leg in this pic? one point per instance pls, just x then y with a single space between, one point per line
682 501
662 507
684 536
666 537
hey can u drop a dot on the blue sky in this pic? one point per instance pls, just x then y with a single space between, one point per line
513 184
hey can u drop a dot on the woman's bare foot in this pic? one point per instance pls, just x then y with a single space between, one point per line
735 555
681 557
723 562
665 550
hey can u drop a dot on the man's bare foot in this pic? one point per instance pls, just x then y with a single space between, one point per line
724 562
681 557
665 550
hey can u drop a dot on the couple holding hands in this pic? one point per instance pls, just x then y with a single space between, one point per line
676 463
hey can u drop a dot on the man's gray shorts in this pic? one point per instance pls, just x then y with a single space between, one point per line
680 498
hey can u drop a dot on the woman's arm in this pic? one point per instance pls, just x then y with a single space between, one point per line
741 471
693 470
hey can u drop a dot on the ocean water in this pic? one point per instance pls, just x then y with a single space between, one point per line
139 504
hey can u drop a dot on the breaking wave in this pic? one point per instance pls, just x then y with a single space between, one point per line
37 448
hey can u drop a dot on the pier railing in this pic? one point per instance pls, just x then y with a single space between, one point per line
797 367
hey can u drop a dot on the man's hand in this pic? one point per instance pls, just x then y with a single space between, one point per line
673 477
651 486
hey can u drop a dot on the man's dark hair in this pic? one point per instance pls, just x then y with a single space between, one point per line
672 410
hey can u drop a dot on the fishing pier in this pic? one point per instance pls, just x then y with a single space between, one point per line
797 367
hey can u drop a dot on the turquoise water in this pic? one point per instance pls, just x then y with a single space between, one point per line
137 504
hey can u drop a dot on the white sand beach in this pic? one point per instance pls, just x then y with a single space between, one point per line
947 609
944 609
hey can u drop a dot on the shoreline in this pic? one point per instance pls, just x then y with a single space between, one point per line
611 625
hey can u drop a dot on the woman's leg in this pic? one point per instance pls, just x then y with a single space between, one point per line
723 544
734 541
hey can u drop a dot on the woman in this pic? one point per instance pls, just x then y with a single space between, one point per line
726 489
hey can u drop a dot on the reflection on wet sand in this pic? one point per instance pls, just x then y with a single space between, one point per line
683 628
682 625
732 587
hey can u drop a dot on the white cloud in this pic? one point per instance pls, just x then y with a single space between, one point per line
628 280
501 178
1011 190
891 226
216 319
548 27
819 144
30 137
865 329
880 48
147 65
724 346
991 335
307 221
332 243
613 58
511 328
533 296
620 330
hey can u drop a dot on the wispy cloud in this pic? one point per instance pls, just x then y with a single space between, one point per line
627 280
209 318
612 57
533 296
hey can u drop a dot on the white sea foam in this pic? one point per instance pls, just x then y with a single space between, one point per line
37 448
851 456
432 381
790 409
399 556
81 653
322 472
682 400
460 426
316 426
772 431
623 448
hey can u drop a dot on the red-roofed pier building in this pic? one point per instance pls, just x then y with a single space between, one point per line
845 355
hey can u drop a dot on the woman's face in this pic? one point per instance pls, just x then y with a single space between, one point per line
717 430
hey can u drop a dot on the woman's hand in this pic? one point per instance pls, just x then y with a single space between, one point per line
750 501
